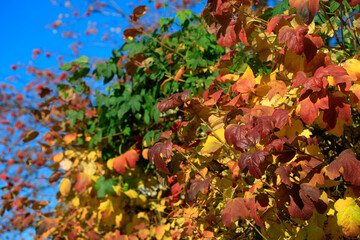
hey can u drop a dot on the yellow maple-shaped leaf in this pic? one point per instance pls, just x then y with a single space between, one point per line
88 168
348 216
212 143
65 186
106 206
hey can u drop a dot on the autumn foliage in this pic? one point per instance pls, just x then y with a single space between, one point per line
241 123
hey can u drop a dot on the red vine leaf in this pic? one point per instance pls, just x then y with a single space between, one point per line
127 159
198 185
174 101
252 162
347 165
306 9
234 209
160 151
294 38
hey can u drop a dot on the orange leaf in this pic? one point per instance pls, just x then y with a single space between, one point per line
82 182
127 159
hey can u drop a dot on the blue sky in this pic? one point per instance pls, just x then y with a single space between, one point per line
23 28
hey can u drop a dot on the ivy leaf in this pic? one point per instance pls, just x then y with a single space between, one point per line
198 185
234 209
160 151
347 165
104 186
306 9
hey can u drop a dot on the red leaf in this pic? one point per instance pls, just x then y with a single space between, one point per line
284 173
303 199
198 185
347 165
281 117
234 209
174 101
179 73
338 107
306 9
236 135
294 38
308 111
82 182
127 159
252 161
160 151
138 12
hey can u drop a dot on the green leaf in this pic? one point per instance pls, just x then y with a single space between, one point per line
66 66
104 186
182 16
334 6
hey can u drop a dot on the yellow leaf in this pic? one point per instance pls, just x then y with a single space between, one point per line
131 194
75 202
70 153
352 66
92 156
106 206
348 216
65 186
88 168
212 144
58 157
160 231
110 163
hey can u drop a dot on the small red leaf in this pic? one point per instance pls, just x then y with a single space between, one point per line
347 165
234 209
82 182
252 161
198 185
294 38
160 151
174 101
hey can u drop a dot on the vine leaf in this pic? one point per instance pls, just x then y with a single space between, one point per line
127 159
347 165
82 182
252 162
234 209
104 186
160 151
306 9
198 185
174 101
348 216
